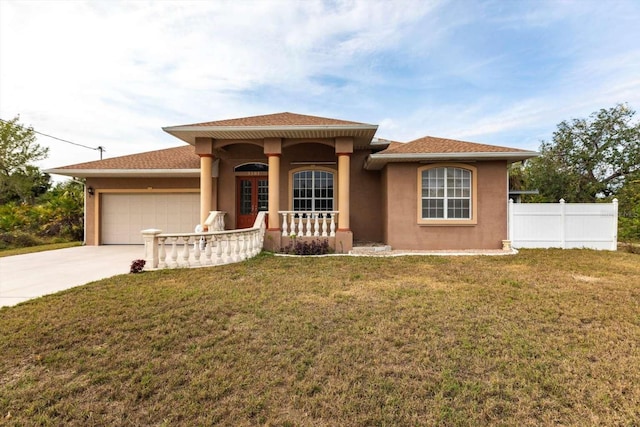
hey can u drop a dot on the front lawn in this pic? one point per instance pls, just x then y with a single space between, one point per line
545 337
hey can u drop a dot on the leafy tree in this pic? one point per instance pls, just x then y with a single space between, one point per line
629 209
587 158
19 180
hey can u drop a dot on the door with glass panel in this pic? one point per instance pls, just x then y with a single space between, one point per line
252 197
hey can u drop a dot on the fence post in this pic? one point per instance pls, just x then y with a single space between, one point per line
563 225
150 237
614 243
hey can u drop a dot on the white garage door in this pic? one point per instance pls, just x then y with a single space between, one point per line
123 216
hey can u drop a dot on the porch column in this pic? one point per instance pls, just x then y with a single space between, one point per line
274 192
204 149
344 149
273 150
206 186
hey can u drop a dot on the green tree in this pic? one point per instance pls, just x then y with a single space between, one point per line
629 209
587 158
19 179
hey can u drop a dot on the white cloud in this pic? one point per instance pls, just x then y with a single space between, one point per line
113 73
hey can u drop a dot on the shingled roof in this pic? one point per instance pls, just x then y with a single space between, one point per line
177 160
430 148
278 119
279 125
431 144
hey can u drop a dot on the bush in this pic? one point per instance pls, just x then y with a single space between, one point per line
18 239
137 266
316 247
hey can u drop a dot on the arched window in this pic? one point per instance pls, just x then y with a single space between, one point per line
313 190
447 194
252 167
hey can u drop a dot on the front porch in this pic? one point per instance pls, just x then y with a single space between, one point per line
296 169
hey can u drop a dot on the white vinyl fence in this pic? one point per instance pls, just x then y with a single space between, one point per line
564 225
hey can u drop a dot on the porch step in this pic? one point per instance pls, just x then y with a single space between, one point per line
375 249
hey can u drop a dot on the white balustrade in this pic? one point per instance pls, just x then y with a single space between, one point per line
218 247
309 223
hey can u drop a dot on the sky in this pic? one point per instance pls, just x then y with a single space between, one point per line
505 72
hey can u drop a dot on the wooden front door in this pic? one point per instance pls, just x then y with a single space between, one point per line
252 197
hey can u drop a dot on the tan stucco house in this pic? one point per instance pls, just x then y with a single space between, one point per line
431 193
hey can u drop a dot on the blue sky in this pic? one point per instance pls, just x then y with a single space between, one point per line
499 72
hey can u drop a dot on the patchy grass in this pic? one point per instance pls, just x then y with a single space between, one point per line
542 338
39 248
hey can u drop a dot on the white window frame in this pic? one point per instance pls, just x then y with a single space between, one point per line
313 170
473 199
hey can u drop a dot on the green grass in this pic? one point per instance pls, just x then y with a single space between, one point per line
541 338
39 248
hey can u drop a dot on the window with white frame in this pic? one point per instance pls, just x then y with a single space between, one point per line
446 193
313 190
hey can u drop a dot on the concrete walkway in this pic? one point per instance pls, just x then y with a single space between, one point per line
23 277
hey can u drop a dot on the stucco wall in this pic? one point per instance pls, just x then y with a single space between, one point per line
401 228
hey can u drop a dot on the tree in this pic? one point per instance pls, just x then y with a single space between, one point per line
19 179
587 158
629 209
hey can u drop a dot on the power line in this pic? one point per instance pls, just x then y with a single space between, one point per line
99 148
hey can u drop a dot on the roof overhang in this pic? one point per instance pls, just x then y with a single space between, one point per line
377 161
362 134
126 173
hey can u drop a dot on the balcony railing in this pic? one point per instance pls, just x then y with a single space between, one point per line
309 223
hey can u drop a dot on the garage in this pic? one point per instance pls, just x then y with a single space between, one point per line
124 215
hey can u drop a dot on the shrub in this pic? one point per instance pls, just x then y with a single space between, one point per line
137 266
315 247
18 239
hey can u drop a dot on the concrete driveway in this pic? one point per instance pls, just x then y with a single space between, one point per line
23 277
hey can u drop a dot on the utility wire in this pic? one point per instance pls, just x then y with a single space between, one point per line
100 148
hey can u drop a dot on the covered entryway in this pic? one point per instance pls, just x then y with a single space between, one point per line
125 215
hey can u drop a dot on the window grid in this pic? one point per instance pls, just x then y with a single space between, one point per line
313 191
446 187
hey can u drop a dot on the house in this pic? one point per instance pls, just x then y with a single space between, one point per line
310 174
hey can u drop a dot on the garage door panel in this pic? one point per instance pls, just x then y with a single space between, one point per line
124 216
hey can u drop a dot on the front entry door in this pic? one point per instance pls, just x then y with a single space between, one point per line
252 197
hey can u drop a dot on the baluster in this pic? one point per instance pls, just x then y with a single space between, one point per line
218 251
293 224
196 250
332 228
316 225
227 241
236 248
162 254
300 225
185 251
250 244
240 247
174 252
324 225
208 240
308 233
284 224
